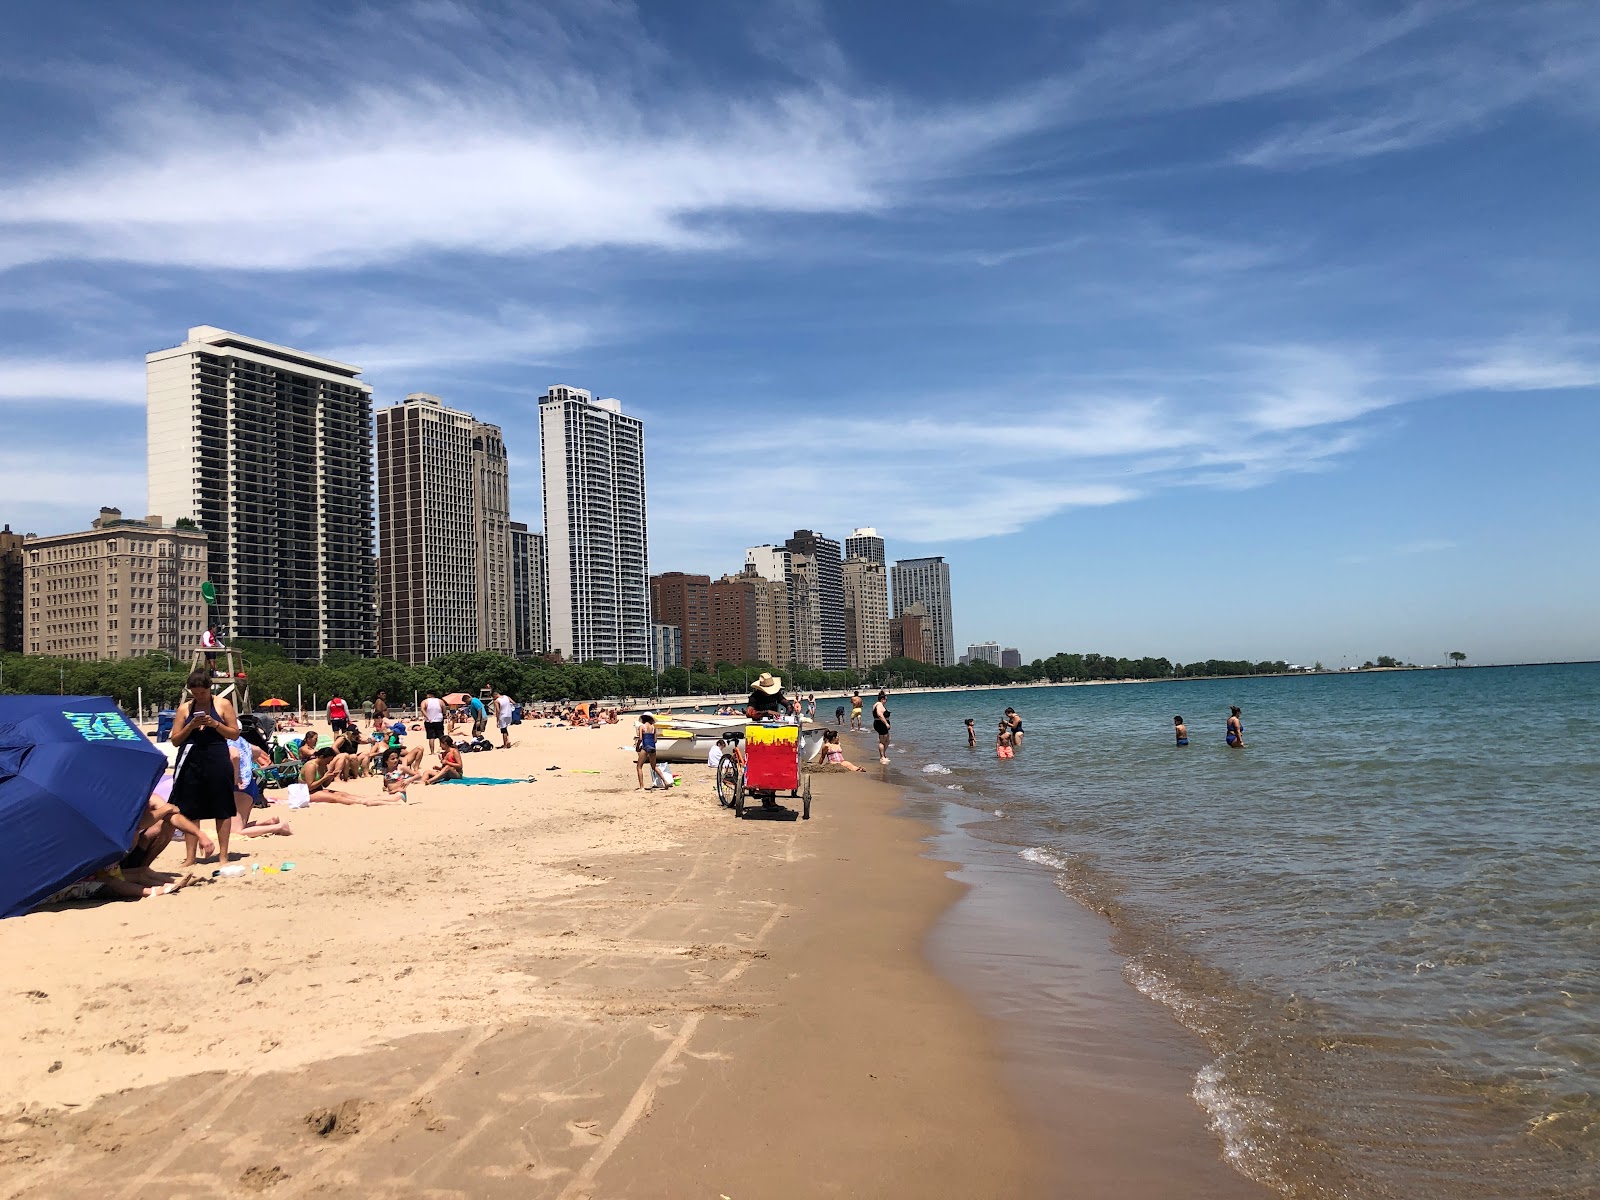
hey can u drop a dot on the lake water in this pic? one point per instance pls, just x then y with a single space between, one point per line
1383 915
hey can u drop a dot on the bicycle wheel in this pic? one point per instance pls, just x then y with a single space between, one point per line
805 800
727 781
738 797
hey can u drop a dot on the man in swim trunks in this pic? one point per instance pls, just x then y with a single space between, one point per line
1235 730
1181 730
880 725
433 719
1014 724
855 712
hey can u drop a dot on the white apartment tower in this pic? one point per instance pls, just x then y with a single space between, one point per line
491 519
865 543
427 531
596 548
927 581
269 450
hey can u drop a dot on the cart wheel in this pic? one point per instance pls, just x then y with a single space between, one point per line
727 782
805 801
738 797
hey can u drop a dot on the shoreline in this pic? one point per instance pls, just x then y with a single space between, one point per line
565 989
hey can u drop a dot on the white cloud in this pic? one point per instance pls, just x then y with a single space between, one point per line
38 379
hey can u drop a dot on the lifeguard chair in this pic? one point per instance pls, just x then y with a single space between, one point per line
228 678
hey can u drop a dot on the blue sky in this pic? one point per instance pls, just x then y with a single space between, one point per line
1229 329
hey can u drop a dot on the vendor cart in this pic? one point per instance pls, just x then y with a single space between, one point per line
772 764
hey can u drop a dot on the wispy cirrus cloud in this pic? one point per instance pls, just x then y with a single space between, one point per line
57 381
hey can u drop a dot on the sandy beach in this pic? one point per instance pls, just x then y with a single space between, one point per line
566 988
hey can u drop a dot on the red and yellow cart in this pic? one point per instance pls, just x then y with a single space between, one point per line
772 765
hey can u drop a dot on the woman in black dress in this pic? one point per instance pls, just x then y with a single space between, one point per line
202 779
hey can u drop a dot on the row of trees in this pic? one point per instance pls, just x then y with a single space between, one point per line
359 679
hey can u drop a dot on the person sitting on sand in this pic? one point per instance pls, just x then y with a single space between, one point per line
307 750
247 792
833 753
396 774
160 824
318 775
449 763
1002 742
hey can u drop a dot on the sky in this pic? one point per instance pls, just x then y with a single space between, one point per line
1262 330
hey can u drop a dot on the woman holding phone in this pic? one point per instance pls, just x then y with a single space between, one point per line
202 778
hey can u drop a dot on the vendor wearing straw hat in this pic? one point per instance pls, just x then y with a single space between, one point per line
767 701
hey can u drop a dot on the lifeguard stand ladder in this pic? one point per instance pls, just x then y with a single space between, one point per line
227 675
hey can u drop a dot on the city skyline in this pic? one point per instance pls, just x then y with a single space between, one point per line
1202 332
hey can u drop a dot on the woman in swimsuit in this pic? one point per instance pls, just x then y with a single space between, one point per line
1181 730
1235 730
1014 723
202 779
449 763
833 753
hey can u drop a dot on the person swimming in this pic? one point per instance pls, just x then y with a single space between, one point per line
1181 730
1235 729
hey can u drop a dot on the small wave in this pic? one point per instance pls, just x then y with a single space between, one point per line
999 812
1237 1119
937 769
954 787
1044 857
1165 991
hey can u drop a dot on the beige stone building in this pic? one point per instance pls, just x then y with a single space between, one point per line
866 611
122 588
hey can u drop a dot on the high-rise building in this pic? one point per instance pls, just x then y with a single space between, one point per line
927 581
866 611
988 652
1010 657
911 633
12 561
822 618
685 601
269 450
597 551
491 519
750 619
865 543
529 634
666 647
119 589
427 531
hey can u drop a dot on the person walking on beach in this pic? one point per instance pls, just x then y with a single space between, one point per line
644 745
855 712
433 719
1181 730
338 714
504 708
202 778
1235 730
1014 724
972 735
880 726
480 715
380 712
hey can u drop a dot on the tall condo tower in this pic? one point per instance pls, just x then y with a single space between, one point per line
596 547
269 451
491 519
927 581
528 623
866 612
427 531
865 543
817 604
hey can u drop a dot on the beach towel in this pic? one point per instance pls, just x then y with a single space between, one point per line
479 779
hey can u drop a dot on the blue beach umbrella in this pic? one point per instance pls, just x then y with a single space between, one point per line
75 775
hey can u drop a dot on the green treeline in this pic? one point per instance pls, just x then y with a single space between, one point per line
359 679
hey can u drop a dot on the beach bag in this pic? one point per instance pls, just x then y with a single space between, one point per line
299 796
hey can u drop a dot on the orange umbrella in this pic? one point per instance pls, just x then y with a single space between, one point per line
456 698
273 703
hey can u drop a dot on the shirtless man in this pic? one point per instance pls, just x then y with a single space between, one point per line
880 725
855 712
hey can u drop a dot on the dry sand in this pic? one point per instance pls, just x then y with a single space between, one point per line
566 988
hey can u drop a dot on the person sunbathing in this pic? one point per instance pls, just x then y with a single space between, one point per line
247 792
449 763
833 753
110 883
319 774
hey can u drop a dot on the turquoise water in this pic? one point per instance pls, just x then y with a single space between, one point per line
1383 915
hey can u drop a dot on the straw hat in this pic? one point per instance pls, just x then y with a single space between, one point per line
768 683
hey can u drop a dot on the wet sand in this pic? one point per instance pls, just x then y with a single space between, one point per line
560 989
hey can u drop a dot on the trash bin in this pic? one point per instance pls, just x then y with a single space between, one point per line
164 723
